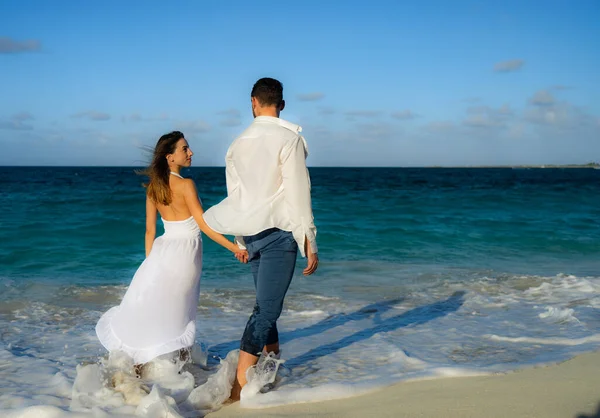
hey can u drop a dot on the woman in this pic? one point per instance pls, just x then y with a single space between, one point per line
158 312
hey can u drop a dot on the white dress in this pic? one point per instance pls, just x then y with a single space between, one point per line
158 312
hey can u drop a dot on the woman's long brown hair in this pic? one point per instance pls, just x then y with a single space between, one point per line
157 188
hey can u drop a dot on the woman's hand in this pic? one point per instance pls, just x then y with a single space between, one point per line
242 256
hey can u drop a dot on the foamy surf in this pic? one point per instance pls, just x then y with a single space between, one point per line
549 341
333 346
164 390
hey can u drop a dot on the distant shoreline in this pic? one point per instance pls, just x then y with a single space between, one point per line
595 166
524 166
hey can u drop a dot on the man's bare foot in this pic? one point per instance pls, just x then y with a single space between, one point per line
245 361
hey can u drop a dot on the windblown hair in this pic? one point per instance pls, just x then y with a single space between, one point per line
268 92
157 189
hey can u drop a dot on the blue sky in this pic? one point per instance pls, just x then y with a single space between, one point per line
378 83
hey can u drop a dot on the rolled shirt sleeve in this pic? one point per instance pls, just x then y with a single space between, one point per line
233 183
296 182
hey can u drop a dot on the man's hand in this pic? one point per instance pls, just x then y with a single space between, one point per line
242 256
313 259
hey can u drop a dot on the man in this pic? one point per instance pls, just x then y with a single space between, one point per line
268 210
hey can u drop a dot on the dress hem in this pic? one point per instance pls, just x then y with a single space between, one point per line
112 342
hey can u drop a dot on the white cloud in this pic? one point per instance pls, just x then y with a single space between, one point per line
440 126
375 131
404 115
195 127
15 125
487 117
542 98
234 113
480 120
17 122
561 87
310 97
321 130
92 115
545 125
560 115
21 116
10 46
363 113
136 117
554 119
232 117
472 100
509 66
516 131
231 122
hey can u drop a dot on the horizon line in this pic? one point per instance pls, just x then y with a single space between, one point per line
585 165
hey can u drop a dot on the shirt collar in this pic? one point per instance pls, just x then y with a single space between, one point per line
282 122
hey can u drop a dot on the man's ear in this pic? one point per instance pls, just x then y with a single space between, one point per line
282 106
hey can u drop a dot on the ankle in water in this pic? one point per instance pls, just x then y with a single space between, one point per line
261 374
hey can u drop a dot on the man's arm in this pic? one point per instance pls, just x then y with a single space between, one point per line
297 186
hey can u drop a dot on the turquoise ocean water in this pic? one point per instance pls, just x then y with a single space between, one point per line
423 272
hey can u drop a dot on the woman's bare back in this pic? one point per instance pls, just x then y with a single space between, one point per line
177 210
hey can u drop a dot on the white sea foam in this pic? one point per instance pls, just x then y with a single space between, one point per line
559 315
316 312
303 395
217 389
549 341
333 347
110 388
564 286
333 391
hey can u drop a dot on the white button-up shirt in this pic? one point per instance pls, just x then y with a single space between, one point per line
268 184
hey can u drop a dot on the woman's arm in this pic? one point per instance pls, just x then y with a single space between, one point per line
193 203
150 224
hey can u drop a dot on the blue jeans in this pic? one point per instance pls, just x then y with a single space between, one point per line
272 256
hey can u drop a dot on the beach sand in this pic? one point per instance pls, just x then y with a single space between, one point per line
567 390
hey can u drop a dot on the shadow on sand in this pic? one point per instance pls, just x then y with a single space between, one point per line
373 310
595 415
416 316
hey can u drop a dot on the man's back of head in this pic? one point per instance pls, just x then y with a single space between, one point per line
267 97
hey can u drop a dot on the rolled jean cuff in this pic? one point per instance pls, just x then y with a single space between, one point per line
250 348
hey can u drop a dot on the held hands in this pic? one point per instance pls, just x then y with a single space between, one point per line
239 253
242 256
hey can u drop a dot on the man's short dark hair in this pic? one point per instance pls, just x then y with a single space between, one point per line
268 92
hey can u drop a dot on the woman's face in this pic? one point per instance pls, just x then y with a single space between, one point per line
182 156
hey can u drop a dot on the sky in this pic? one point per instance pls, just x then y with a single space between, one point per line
377 83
